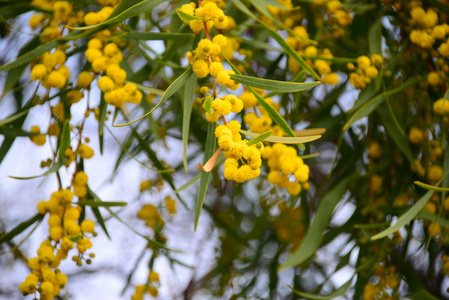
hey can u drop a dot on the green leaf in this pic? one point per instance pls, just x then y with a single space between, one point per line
274 114
284 140
14 117
189 98
173 88
396 132
147 88
132 11
189 183
15 132
102 203
186 17
205 176
406 217
158 36
341 291
13 10
274 85
426 215
431 187
20 228
55 167
65 140
207 105
315 233
375 38
76 238
259 138
367 108
29 56
102 108
96 211
422 294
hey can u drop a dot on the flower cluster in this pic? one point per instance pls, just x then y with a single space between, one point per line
208 16
51 71
64 235
105 58
287 169
366 70
242 161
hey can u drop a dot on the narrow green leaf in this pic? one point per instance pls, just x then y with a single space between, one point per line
158 36
65 140
29 56
148 89
375 38
274 85
173 88
367 108
431 187
274 114
205 176
186 17
55 167
20 228
96 211
406 217
103 107
188 183
132 11
284 140
14 117
396 132
189 98
426 215
289 50
207 105
341 291
259 138
15 132
93 203
422 294
315 233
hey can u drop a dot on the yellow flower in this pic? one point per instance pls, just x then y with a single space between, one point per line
85 151
38 72
106 84
84 79
200 68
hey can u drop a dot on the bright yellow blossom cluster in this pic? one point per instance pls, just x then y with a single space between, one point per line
106 59
209 15
301 43
51 71
64 235
287 169
242 161
367 69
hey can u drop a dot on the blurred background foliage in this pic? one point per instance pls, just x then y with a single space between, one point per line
371 222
